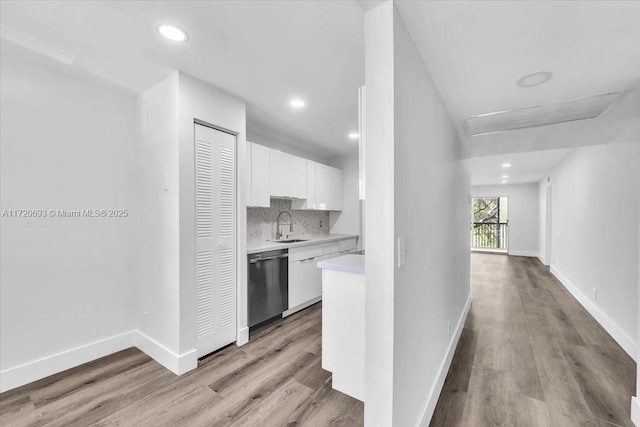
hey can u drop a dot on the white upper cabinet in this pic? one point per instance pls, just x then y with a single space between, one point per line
260 191
328 188
288 175
310 202
310 185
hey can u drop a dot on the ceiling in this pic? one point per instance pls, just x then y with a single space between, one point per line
525 167
263 52
266 52
477 50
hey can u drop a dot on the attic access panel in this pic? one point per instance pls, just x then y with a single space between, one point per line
541 115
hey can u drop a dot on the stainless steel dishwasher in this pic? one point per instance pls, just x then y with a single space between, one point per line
268 286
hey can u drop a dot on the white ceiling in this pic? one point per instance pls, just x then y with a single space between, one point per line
477 50
525 167
268 51
263 52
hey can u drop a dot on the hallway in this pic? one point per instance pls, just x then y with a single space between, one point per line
530 355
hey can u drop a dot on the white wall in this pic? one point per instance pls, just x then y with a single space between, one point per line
166 310
635 404
431 191
542 220
413 175
200 100
379 289
66 283
158 273
523 215
595 199
347 221
283 143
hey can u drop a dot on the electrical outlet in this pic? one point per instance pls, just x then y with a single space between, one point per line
595 294
449 329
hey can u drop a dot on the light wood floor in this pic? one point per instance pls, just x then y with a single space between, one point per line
274 380
530 355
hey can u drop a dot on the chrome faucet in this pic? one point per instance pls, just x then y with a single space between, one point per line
278 233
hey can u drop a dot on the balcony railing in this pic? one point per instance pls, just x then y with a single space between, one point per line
487 235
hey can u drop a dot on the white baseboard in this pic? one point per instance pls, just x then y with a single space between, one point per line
41 368
541 258
176 363
489 251
242 336
627 343
532 254
436 389
635 411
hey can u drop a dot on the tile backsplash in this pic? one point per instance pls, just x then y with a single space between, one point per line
261 222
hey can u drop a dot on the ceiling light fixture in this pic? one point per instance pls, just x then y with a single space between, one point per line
297 103
504 181
534 79
505 176
173 33
354 135
506 165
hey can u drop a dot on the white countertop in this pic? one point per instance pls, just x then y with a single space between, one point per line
255 246
350 263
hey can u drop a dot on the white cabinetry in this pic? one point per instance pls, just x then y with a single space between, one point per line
310 202
310 185
328 188
343 331
288 175
305 278
260 188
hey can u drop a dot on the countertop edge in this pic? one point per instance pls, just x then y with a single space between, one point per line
341 264
311 241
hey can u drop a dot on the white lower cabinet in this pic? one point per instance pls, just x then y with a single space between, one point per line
305 278
305 282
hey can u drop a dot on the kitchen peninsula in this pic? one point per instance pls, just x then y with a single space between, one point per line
343 322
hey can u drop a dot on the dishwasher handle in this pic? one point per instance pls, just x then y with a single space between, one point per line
258 259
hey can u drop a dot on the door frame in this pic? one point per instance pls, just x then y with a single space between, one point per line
505 250
548 232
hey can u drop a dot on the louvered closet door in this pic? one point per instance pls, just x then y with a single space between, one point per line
215 239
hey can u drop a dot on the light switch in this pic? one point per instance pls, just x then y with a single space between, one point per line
402 250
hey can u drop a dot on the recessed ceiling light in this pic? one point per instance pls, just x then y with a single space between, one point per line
504 181
297 103
173 33
506 165
505 176
534 79
354 135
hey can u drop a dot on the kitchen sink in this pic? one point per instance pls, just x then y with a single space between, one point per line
289 241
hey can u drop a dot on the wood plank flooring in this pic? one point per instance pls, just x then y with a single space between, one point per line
274 380
530 355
